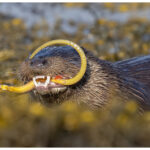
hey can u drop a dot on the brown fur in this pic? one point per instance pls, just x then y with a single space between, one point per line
126 79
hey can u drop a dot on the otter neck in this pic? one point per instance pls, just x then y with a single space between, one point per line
98 83
104 81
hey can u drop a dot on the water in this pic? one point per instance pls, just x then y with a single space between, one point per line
33 13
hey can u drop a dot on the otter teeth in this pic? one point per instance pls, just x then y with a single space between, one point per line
40 83
57 90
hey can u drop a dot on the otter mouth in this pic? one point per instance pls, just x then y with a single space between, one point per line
43 85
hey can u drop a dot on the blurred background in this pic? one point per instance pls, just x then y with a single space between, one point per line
112 31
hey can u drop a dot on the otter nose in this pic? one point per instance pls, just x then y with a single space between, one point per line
38 62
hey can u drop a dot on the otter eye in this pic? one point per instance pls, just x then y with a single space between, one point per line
38 62
31 63
44 62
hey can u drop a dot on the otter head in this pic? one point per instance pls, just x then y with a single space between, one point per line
61 62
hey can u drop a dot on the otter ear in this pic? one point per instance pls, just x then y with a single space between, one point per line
83 48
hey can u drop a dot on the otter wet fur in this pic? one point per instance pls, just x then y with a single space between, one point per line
128 79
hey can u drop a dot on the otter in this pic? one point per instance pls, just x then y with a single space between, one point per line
127 79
